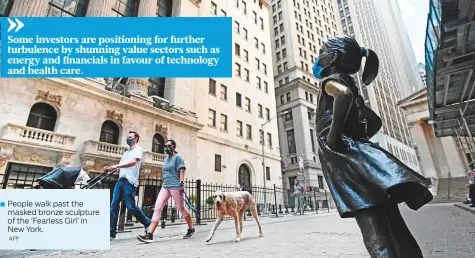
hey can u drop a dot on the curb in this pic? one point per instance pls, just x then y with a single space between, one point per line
465 208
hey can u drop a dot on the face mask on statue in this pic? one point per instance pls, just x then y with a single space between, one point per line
130 141
317 69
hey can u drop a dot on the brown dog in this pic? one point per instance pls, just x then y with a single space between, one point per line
234 204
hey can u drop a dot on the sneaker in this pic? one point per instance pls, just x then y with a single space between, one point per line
112 236
189 233
147 238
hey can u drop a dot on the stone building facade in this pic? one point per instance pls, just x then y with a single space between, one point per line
84 121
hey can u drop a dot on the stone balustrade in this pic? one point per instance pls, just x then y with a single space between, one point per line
39 137
111 151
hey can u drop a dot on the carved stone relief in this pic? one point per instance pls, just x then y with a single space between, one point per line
114 115
49 96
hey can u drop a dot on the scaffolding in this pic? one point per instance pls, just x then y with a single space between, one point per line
450 65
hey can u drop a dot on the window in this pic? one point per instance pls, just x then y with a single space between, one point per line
244 32
224 92
237 70
236 3
237 49
282 100
42 116
267 173
269 140
291 141
236 27
217 163
258 79
223 13
244 7
157 87
71 8
256 43
125 8
320 182
109 132
5 7
212 87
288 96
261 137
248 104
158 144
264 69
258 64
238 99
266 87
246 56
259 110
249 132
224 122
212 118
267 114
254 16
214 8
261 23
246 75
263 48
312 140
165 8
239 128
288 115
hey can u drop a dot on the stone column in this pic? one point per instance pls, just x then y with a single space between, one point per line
147 8
31 8
101 8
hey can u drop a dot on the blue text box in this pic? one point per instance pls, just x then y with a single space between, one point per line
62 47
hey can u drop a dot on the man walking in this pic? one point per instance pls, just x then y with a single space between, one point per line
126 187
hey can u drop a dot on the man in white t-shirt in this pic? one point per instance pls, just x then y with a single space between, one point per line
126 186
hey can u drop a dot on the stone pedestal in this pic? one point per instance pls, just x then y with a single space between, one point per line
138 89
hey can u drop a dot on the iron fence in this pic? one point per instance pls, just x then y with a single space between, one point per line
279 201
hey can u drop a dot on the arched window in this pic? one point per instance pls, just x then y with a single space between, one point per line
109 132
165 8
244 178
158 144
42 116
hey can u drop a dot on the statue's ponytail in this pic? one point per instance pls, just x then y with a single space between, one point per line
371 67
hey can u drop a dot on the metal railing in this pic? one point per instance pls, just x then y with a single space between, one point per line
280 201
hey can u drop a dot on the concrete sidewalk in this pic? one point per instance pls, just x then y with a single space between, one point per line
179 228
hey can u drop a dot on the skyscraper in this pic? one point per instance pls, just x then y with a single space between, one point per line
376 24
299 28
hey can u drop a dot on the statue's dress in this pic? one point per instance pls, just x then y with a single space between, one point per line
361 174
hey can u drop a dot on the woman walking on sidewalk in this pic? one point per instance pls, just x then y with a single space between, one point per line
173 176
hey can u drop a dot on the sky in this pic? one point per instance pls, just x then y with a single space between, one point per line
414 15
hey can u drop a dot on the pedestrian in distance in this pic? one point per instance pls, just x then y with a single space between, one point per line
173 172
126 187
366 181
299 191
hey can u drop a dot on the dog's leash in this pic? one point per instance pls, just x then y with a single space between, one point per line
188 203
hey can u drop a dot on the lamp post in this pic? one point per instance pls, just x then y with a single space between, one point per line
263 158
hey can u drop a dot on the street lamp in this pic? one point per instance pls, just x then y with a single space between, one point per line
263 157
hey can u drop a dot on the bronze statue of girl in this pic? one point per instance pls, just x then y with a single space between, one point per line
366 181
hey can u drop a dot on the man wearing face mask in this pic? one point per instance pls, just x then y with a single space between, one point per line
126 186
